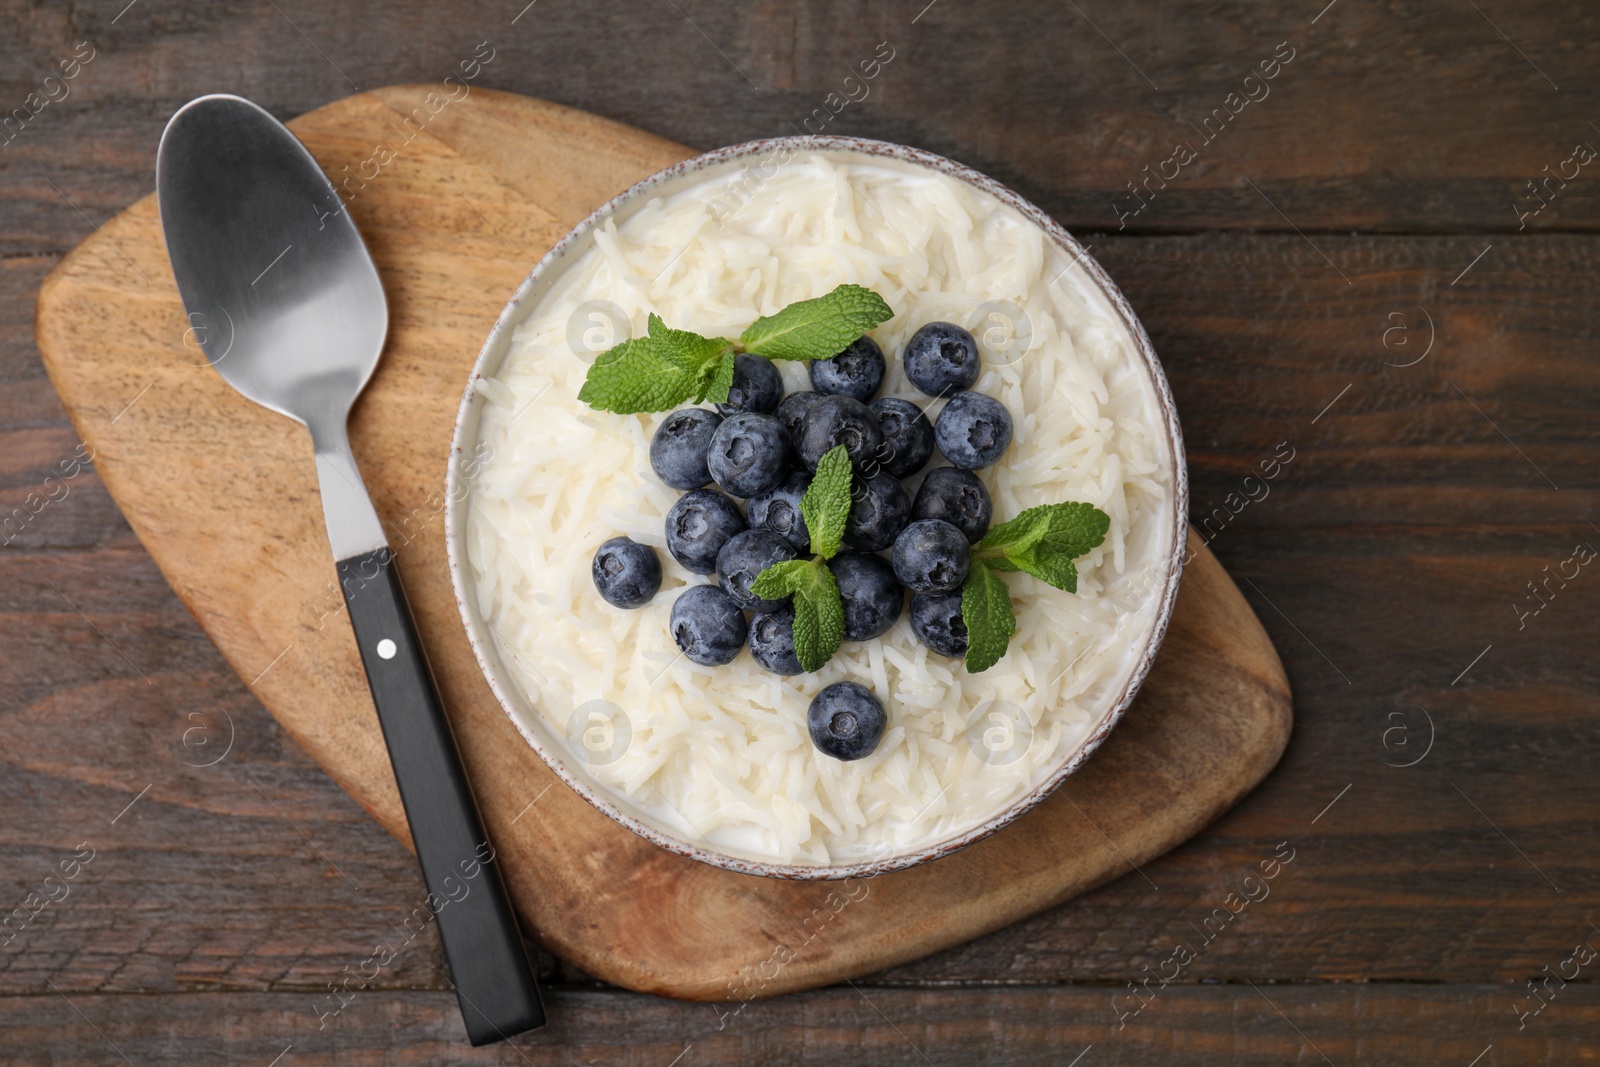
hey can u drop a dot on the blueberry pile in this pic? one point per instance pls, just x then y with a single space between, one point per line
763 448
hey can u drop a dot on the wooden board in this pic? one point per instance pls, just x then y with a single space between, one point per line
222 495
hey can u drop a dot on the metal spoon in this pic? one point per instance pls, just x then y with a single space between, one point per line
294 317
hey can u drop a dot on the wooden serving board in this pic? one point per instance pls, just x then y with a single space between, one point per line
467 195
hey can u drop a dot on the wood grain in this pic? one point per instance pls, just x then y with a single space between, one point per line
1404 117
1194 1026
246 554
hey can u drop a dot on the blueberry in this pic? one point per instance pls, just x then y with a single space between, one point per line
792 412
931 556
839 420
749 454
745 556
856 372
958 497
707 625
907 436
698 525
627 573
942 358
973 430
879 510
846 721
937 622
678 450
757 386
778 510
872 595
772 641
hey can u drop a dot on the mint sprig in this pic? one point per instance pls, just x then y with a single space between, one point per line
818 608
819 328
1044 541
986 611
659 371
668 367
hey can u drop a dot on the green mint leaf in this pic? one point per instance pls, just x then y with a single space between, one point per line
826 503
1017 535
986 611
632 378
684 349
818 609
656 372
818 619
819 328
1055 570
780 579
718 381
1045 540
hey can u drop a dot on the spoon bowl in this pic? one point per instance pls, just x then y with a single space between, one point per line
284 296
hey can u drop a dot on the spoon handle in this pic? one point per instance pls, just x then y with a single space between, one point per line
482 944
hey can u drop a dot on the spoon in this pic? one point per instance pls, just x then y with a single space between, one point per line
291 312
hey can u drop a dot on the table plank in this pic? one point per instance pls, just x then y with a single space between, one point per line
1414 118
1193 1026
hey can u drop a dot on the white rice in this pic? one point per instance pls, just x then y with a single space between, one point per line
720 756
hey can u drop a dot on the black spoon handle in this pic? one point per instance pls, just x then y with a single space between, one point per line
482 944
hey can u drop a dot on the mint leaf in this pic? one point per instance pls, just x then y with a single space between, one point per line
986 611
1020 533
818 610
719 382
826 503
818 620
1059 571
781 579
819 328
632 378
1045 540
657 372
684 349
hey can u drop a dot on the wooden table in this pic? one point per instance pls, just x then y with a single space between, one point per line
1439 794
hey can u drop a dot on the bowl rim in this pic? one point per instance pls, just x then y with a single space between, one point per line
496 346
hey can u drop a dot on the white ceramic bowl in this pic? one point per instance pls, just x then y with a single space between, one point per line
726 161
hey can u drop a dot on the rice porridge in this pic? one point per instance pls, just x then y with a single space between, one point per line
720 756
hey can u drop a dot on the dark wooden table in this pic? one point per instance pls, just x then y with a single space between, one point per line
1353 269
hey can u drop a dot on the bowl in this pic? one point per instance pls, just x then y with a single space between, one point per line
713 165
